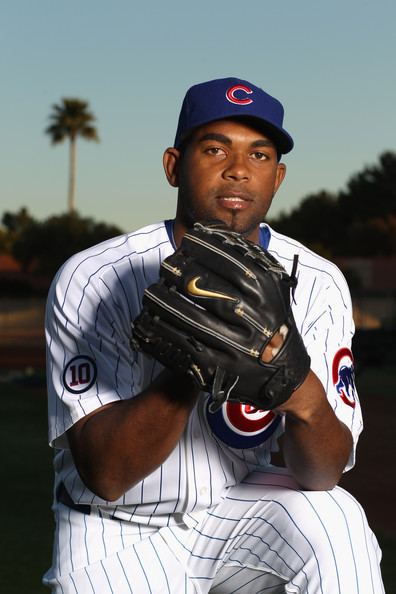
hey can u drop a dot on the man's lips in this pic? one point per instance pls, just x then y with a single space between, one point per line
234 202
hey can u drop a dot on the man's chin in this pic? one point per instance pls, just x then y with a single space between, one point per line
241 225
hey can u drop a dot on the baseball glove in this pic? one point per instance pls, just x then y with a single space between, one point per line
219 301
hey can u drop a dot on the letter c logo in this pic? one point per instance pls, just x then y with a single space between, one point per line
230 95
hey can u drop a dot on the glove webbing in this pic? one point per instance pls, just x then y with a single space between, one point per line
220 392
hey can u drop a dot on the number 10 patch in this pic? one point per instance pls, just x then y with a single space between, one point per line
79 374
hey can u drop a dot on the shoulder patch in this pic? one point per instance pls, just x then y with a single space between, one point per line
242 426
343 372
79 374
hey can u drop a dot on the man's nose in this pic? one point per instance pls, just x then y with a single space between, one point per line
237 168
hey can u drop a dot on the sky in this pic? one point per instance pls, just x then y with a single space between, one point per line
332 65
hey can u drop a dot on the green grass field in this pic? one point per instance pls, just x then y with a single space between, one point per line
26 478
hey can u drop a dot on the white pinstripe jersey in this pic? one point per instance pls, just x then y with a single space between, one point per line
93 300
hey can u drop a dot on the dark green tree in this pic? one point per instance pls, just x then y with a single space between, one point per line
314 222
359 221
14 225
370 238
69 120
45 245
371 193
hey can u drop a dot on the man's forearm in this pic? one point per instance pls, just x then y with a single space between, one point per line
316 443
121 443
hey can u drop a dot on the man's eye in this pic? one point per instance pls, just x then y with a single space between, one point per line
214 150
260 156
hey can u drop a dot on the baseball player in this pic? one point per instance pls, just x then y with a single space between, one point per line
157 490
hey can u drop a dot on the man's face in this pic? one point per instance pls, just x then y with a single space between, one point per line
229 171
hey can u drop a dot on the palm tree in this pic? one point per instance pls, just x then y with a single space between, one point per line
69 120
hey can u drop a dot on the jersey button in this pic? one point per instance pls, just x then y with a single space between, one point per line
203 490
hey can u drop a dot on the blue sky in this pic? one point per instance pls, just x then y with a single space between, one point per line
332 64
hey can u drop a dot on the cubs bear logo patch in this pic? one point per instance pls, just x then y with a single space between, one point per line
242 426
343 372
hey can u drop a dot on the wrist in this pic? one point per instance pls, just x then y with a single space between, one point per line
180 389
307 402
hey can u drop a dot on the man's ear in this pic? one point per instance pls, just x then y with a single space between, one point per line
280 176
171 161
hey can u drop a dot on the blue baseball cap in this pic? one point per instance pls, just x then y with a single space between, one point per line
232 98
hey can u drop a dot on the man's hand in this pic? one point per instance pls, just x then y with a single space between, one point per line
221 313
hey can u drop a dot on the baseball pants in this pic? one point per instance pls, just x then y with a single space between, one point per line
266 536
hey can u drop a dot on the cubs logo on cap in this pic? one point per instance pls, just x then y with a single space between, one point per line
242 426
224 98
343 373
235 95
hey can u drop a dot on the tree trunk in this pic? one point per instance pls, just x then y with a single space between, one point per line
72 177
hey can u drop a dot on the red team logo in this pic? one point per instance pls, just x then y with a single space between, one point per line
344 376
239 99
241 425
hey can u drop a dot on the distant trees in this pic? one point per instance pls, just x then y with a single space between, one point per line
69 120
14 226
359 221
42 246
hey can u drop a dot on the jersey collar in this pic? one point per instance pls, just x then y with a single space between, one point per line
265 234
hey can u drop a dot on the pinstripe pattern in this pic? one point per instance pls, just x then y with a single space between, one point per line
290 541
91 305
